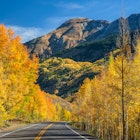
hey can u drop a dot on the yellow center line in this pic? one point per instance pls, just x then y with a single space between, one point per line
43 131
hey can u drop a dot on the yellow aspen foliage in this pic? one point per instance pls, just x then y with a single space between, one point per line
103 108
3 114
20 97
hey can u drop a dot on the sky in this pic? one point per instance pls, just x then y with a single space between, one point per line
34 18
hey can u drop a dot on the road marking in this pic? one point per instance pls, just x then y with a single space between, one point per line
17 130
43 131
76 132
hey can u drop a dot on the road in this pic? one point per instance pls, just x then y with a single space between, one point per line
46 131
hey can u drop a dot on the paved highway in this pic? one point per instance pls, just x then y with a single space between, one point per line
46 131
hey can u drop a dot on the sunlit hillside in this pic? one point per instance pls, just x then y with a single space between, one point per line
64 76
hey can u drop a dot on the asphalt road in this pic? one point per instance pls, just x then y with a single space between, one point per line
46 131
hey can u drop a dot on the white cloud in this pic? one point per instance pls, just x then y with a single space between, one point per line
27 33
70 5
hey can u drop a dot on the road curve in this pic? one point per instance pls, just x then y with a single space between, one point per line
46 131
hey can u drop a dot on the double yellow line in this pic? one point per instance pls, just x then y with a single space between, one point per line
43 131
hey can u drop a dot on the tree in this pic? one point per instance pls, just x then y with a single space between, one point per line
20 97
123 43
104 105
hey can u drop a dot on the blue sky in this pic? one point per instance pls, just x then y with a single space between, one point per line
33 18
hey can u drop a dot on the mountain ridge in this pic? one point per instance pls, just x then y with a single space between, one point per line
77 31
70 34
77 43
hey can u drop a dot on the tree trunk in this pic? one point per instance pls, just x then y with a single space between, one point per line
126 133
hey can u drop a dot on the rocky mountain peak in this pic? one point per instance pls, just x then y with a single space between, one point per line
134 21
70 34
74 21
77 31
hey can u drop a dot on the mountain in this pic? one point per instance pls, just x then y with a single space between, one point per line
75 50
75 32
70 34
133 23
90 51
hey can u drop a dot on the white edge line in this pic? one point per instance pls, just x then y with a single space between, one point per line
18 130
75 132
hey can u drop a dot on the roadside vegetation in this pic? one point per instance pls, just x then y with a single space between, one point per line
20 97
98 104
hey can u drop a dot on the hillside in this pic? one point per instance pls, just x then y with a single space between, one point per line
90 52
63 73
76 50
64 76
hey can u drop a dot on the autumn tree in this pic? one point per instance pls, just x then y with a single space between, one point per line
20 96
105 103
